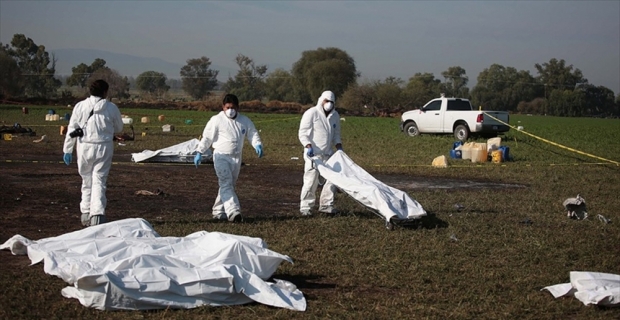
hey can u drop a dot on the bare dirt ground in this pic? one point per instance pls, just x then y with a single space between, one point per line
41 195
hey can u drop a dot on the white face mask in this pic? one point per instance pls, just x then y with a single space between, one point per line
328 106
231 113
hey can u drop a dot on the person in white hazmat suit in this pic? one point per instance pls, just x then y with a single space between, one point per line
225 133
319 132
92 126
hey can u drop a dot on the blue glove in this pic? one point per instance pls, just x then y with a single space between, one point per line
67 157
339 147
309 152
197 159
259 150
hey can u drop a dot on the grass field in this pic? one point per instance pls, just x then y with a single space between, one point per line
349 266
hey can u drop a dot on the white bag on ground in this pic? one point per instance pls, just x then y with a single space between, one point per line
126 265
598 288
390 202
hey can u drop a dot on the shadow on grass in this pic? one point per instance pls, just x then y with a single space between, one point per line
430 221
311 281
207 219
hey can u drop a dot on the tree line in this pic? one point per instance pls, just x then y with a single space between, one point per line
557 89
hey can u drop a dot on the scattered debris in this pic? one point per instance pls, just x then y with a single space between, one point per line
601 218
527 222
453 237
440 162
39 140
294 158
126 136
16 130
159 192
576 208
459 207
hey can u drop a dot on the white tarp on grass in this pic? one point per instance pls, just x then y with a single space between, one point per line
390 202
598 288
182 152
126 265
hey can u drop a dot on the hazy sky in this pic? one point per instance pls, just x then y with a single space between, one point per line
385 38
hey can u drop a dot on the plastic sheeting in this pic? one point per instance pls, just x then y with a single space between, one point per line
390 202
598 288
126 265
182 152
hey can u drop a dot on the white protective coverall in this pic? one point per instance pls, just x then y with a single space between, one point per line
94 149
322 132
226 135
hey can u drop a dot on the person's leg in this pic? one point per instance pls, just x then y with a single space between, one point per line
101 169
326 199
218 207
326 202
218 211
235 207
224 169
85 169
308 190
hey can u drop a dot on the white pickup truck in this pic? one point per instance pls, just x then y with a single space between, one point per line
453 115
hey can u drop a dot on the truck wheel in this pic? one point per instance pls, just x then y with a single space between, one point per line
411 129
461 132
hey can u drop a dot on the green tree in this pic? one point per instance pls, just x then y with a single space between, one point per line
358 99
388 94
119 85
249 83
455 84
279 86
11 79
323 69
599 101
566 103
555 74
503 88
81 73
152 83
34 63
421 88
198 78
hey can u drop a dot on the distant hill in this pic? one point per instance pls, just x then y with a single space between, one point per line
125 64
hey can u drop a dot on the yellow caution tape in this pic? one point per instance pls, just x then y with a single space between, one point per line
555 143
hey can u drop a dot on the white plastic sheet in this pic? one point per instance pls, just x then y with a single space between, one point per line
390 202
126 265
182 152
590 288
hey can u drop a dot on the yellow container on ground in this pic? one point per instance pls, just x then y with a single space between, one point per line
497 156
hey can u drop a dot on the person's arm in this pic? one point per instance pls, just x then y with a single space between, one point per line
305 128
74 123
253 136
208 135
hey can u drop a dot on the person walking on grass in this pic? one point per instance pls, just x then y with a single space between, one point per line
92 127
319 132
225 133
